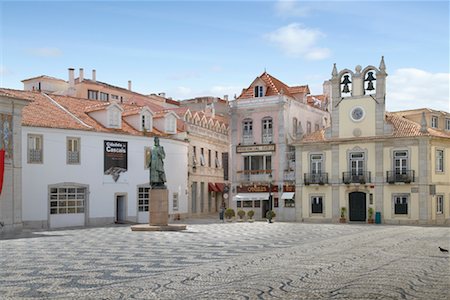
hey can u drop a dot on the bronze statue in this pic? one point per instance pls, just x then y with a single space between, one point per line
156 166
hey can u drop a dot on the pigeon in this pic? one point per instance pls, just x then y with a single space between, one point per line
442 249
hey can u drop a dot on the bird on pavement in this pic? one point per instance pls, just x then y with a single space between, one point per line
442 249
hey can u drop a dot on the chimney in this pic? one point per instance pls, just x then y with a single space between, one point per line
71 77
94 77
129 85
81 77
225 97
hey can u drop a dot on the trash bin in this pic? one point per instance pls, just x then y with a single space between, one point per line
378 217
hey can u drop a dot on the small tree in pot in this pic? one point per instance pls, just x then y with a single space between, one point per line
270 215
250 215
241 215
343 212
370 213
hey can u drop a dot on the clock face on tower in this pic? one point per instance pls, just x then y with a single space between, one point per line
357 113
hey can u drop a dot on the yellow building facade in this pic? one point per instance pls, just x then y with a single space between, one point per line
372 165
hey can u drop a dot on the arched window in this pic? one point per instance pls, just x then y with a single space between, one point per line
294 127
267 130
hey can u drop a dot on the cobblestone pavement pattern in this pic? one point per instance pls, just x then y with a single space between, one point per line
228 261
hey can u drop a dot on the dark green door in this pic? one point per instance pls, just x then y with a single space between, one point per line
357 206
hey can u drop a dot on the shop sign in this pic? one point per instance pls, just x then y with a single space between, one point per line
255 148
256 189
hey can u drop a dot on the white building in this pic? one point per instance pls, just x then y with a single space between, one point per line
84 162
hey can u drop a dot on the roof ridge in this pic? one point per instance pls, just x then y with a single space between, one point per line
66 111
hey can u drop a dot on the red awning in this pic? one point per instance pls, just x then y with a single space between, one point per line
212 187
220 186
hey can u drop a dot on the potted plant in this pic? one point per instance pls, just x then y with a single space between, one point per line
250 215
241 215
229 213
343 211
270 215
370 213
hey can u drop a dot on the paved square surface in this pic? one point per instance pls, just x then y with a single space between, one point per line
228 261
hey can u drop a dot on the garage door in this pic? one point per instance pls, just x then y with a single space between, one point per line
67 206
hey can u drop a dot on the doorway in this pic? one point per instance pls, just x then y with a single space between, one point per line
121 211
357 206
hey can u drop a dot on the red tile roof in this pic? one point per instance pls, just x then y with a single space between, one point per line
402 127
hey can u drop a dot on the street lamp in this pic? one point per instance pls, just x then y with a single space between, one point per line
269 217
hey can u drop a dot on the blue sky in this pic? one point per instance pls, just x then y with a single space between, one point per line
188 49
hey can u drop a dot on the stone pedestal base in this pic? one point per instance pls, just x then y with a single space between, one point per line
159 207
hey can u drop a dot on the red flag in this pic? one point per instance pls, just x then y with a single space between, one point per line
2 168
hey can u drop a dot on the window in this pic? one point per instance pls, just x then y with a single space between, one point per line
35 152
175 201
67 200
400 162
92 95
143 197
275 202
259 91
257 203
294 126
247 127
316 204
209 158
289 203
73 150
447 124
104 96
114 117
316 127
114 97
316 163
401 204
202 157
434 122
357 163
194 156
267 131
259 162
218 164
238 203
308 127
440 204
247 204
439 160
146 122
170 124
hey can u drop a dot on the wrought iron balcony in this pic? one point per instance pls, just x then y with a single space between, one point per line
360 177
254 175
406 176
316 178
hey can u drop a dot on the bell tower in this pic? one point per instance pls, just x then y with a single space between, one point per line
358 102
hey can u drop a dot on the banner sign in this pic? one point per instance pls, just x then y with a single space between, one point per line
255 148
115 157
256 189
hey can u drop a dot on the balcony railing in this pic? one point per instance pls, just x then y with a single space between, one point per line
316 178
360 177
407 176
254 175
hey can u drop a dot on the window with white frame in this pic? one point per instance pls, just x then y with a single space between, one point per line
35 148
400 161
247 128
92 95
439 204
73 150
401 204
143 198
308 127
67 200
146 123
434 121
316 204
171 124
194 156
202 157
447 124
217 160
114 97
267 130
175 201
258 163
259 91
316 163
104 96
357 163
439 160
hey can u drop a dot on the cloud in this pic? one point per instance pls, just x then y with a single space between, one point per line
45 52
295 40
410 88
291 8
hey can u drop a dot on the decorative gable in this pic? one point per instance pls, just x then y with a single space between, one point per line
114 116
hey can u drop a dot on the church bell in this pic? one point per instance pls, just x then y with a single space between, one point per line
345 82
370 80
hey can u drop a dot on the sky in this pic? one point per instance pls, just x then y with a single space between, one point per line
214 48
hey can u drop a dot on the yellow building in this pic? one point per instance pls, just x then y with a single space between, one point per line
371 164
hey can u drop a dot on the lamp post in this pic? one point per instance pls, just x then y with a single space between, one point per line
270 199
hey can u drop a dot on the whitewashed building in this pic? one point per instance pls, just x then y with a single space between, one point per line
84 162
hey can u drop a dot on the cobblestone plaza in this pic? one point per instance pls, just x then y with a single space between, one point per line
213 260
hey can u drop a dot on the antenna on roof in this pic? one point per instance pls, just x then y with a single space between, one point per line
265 70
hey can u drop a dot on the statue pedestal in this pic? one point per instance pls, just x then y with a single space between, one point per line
158 213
